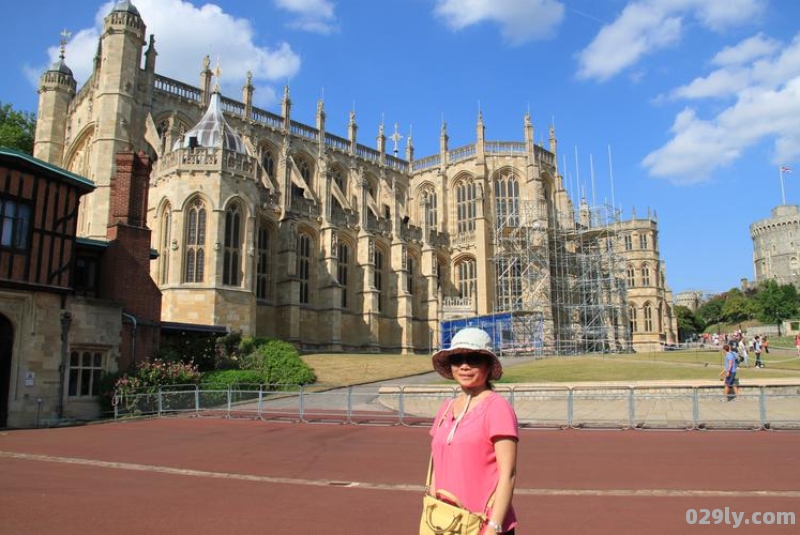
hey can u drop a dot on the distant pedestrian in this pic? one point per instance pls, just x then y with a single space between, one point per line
765 344
797 343
757 350
743 353
729 374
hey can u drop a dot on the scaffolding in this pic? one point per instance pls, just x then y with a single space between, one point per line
560 284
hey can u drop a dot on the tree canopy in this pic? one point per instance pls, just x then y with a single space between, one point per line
17 129
769 303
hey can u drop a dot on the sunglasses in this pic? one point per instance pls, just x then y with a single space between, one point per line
472 359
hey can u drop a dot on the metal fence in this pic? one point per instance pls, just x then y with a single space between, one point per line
634 407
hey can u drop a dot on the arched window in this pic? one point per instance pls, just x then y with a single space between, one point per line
467 271
466 210
430 208
645 275
304 267
378 278
338 178
633 318
306 172
195 242
165 227
268 161
631 277
642 241
264 265
509 277
343 273
506 200
232 258
648 317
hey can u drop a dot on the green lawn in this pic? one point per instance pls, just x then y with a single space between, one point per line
350 369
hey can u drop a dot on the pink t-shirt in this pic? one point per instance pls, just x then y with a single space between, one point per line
467 467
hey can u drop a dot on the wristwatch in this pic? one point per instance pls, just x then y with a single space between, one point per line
495 526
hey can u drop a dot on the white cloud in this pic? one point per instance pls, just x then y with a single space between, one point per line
316 16
184 35
766 107
748 50
638 30
646 26
519 20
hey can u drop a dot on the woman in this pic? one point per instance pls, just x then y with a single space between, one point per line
475 435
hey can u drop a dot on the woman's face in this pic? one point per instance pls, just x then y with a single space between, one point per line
470 370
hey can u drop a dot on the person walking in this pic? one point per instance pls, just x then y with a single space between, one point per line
743 352
757 350
729 374
475 436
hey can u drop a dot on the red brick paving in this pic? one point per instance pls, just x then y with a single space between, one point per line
675 469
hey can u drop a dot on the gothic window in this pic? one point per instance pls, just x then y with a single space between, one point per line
506 199
467 271
642 241
646 275
338 179
648 317
232 258
466 210
372 188
343 273
195 242
165 228
631 277
430 207
633 318
264 266
378 278
510 283
305 171
628 242
162 129
268 161
304 263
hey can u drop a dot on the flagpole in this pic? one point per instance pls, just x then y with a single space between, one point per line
783 193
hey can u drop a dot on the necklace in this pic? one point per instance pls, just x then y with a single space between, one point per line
458 419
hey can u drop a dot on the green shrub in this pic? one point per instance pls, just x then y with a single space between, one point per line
249 378
279 364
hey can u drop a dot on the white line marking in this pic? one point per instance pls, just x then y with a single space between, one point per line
608 493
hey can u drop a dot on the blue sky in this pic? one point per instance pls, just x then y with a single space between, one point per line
697 102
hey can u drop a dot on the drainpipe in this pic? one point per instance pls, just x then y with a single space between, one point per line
132 319
66 321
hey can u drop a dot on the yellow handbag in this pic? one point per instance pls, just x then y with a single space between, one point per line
443 514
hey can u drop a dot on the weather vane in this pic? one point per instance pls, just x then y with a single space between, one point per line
396 137
65 35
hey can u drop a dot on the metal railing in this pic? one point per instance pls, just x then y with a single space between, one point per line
633 407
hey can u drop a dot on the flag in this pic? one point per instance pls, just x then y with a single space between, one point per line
785 169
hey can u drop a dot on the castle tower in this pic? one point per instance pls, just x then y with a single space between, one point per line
56 91
116 96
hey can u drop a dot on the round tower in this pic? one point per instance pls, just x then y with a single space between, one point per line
56 91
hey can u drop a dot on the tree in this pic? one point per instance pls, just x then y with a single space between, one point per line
737 307
688 323
710 312
777 302
17 129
